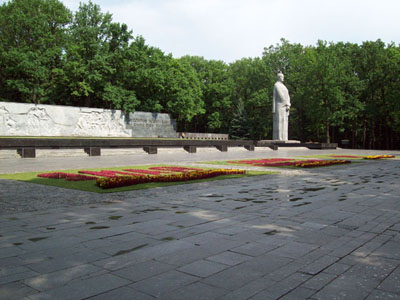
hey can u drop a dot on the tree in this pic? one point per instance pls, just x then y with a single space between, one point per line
95 61
32 40
217 86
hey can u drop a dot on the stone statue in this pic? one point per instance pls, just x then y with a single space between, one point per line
280 110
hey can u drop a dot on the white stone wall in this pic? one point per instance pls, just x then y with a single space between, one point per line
24 119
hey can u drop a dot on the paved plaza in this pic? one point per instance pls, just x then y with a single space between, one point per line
324 233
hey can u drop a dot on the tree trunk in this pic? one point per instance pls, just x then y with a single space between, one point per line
365 134
328 138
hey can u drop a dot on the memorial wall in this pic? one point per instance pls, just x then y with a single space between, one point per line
24 119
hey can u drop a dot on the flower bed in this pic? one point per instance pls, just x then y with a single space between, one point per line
140 171
105 173
288 162
175 169
120 181
261 161
66 176
378 156
321 163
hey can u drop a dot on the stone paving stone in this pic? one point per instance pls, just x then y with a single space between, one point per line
337 268
123 293
46 254
164 248
294 249
161 284
318 281
347 287
248 290
186 256
319 265
389 250
143 270
121 261
66 261
8 271
17 276
229 258
52 280
15 290
285 271
202 268
267 263
391 283
119 247
205 238
312 237
283 287
372 245
11 263
11 251
195 291
234 277
382 295
254 248
298 294
373 267
80 289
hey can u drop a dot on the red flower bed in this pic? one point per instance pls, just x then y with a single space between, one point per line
260 161
321 163
106 173
139 171
288 162
120 181
176 169
66 176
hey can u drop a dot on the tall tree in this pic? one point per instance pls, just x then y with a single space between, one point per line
217 86
32 40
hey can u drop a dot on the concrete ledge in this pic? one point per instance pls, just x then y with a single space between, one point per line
249 147
93 151
150 150
190 149
27 152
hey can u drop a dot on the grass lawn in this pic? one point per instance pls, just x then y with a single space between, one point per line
90 186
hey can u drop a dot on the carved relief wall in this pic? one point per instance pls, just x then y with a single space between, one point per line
22 119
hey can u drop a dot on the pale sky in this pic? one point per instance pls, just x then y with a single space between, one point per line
232 29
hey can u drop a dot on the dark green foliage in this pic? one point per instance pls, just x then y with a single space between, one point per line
240 124
338 90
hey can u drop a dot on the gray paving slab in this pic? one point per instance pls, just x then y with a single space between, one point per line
140 271
81 289
316 233
203 268
123 293
162 284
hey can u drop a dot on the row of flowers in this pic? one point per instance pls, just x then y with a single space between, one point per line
66 176
288 162
321 163
378 156
120 181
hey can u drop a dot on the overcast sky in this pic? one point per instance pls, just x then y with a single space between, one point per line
232 29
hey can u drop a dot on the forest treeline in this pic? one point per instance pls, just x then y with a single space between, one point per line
50 55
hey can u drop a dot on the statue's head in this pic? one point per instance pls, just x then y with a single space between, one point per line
280 76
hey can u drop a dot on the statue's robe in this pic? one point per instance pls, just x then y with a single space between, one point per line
280 108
